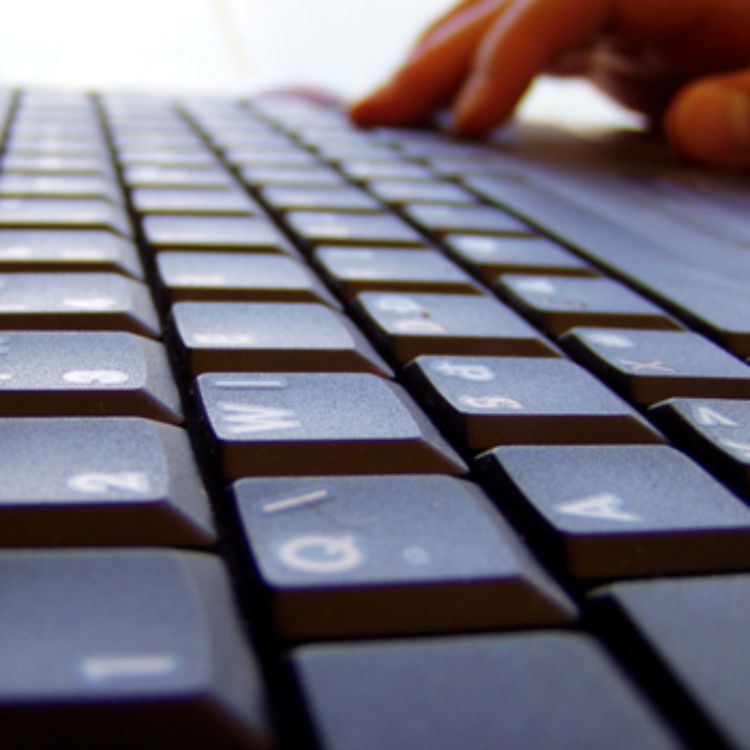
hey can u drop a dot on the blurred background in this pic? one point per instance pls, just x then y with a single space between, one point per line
345 46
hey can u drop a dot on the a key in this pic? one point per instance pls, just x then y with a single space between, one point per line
442 220
236 337
40 213
76 301
80 373
716 431
327 228
373 556
603 512
176 177
292 176
490 257
281 423
408 325
122 650
58 186
362 170
185 202
40 250
651 366
319 199
545 691
96 482
236 233
239 277
487 401
398 193
559 303
692 632
353 270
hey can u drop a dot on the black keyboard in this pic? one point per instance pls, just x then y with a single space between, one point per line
321 438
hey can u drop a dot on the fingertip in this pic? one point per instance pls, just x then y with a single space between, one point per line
472 112
710 122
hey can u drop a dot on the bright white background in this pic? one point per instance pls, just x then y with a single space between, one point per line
346 46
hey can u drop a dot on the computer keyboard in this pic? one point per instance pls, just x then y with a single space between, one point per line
322 438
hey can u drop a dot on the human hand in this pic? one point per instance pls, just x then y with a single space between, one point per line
685 63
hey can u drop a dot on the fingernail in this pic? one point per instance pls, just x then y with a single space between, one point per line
738 110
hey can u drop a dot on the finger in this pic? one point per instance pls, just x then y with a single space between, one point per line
521 43
429 78
656 19
441 21
709 120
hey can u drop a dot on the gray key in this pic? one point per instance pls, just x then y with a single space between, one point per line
353 150
124 650
716 431
76 301
558 303
288 157
47 250
281 424
292 176
80 373
408 325
487 401
319 228
489 257
176 177
95 482
362 170
236 337
240 277
601 512
372 556
651 366
353 270
73 213
695 630
199 158
59 186
545 691
177 201
214 232
320 199
398 193
441 220
53 165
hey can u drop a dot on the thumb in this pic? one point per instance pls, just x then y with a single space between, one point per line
709 120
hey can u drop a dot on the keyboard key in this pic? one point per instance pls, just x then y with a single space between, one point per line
489 257
558 304
47 250
318 228
214 232
487 401
40 213
292 176
695 630
176 177
408 325
353 270
198 158
240 277
235 337
295 424
362 170
179 202
320 199
55 165
124 650
601 512
344 557
651 366
76 301
59 186
80 373
715 431
442 220
541 690
398 193
291 156
95 482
